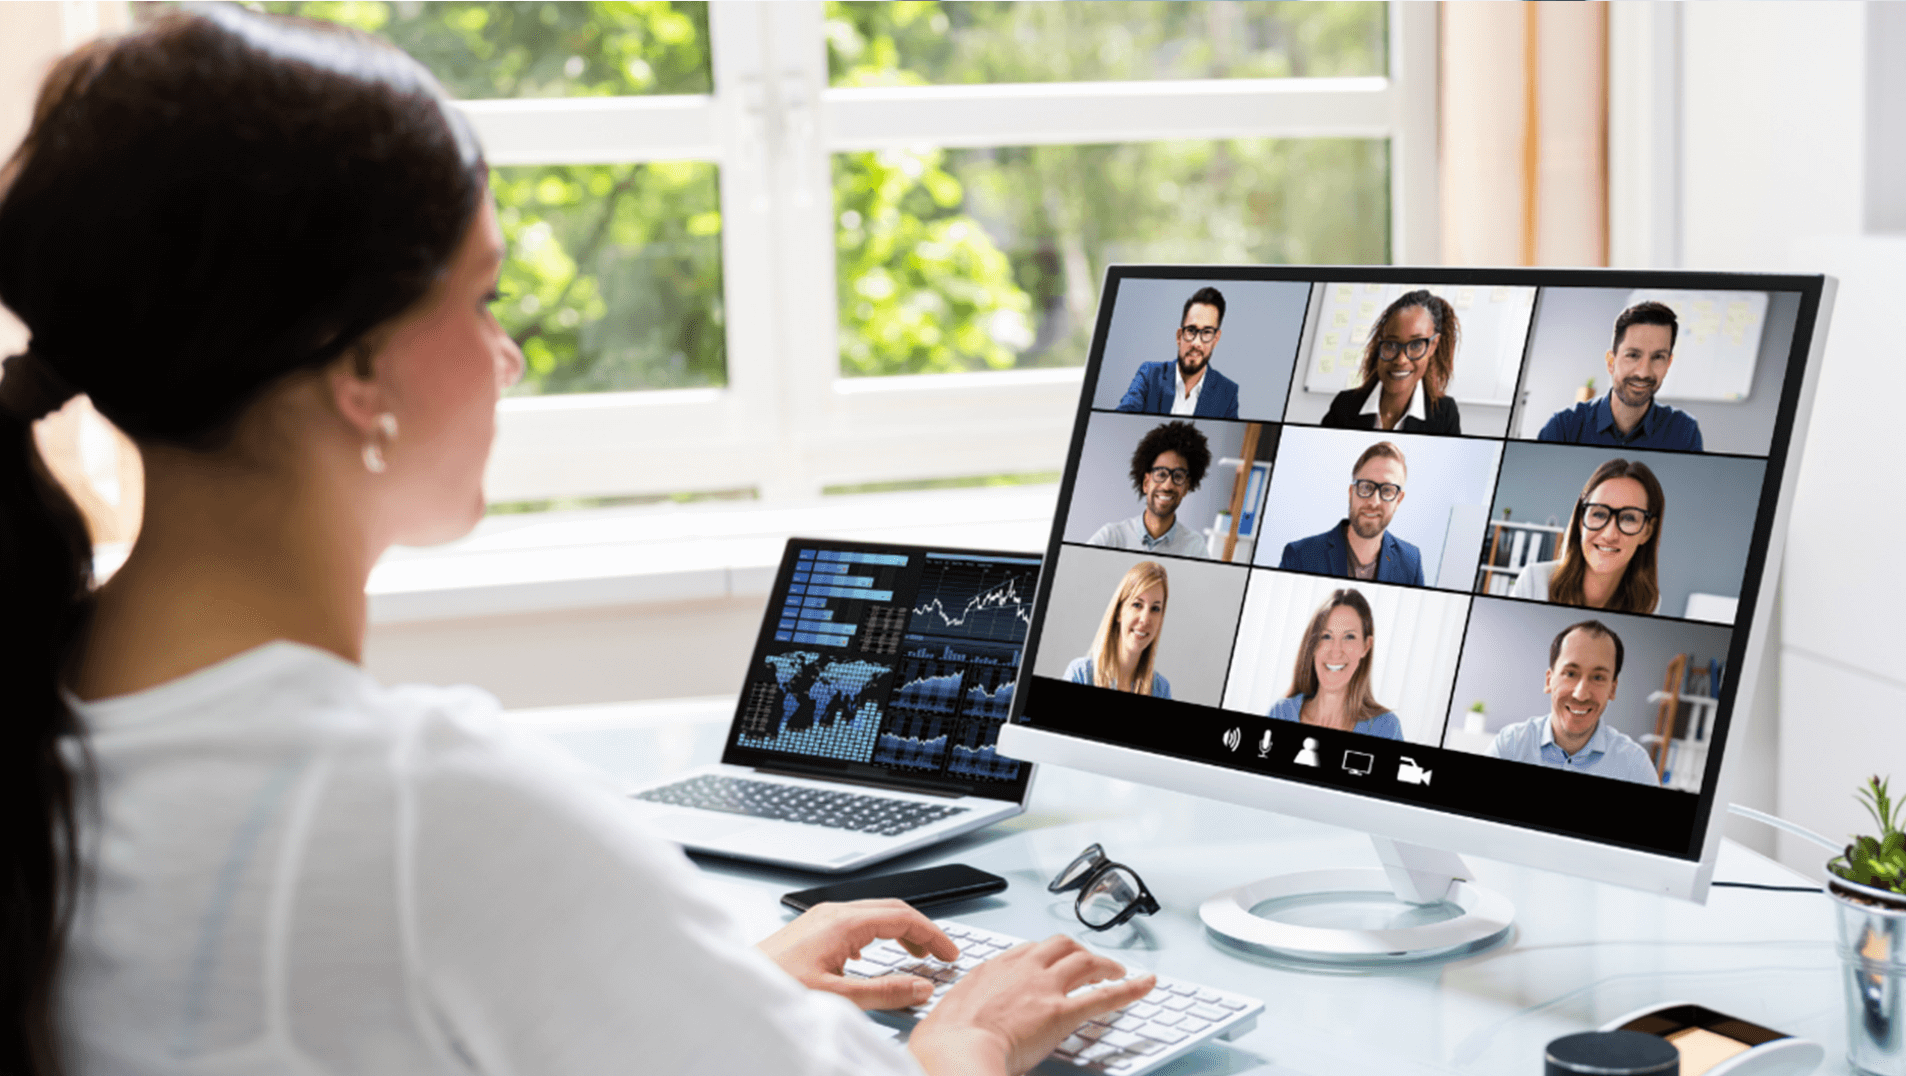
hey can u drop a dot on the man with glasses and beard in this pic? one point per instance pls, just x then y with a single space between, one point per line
1169 463
1361 546
1189 386
1630 415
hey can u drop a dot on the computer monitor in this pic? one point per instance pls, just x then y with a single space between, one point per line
1473 560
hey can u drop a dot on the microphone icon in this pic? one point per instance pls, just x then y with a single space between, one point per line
1264 745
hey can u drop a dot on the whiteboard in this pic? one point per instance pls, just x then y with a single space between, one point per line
1494 321
1718 344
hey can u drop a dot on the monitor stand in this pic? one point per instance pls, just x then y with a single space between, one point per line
1423 905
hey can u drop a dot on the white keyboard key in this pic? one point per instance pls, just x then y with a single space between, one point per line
1207 1012
1096 1051
1177 1004
1162 1034
1074 1043
1182 988
1192 1024
1167 1019
1207 996
1143 1010
1233 1004
1128 1022
1120 1039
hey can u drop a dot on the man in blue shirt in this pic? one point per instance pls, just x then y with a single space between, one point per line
1189 386
1584 664
1361 546
1629 414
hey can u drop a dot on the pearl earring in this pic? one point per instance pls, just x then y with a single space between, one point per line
374 461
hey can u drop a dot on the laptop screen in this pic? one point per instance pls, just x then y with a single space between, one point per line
892 664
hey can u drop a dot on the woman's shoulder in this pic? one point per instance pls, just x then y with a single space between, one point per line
1533 581
1386 725
1161 687
1287 709
1079 671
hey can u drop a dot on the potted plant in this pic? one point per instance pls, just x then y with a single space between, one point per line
1868 884
1476 720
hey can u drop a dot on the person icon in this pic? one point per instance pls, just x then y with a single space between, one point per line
1308 756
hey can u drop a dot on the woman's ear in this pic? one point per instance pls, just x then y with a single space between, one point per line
352 387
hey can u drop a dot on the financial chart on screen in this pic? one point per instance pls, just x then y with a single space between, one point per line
896 658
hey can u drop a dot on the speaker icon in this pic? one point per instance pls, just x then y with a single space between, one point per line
1233 738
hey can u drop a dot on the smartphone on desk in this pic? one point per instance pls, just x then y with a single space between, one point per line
921 888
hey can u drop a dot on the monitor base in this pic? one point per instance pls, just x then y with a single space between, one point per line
1423 906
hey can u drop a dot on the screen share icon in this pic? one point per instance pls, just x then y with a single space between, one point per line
1358 763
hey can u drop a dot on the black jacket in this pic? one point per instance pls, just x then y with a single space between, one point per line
1344 408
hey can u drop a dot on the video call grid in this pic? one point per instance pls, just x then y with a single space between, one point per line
1504 440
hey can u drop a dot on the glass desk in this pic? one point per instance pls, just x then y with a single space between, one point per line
1581 952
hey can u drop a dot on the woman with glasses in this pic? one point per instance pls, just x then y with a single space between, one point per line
1611 546
1125 651
1330 684
266 250
1407 366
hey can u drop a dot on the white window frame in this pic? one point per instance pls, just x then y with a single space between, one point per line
787 423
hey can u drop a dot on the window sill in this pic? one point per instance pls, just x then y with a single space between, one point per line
558 561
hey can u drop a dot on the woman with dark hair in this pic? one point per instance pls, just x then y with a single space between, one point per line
266 250
1407 366
1611 547
1330 683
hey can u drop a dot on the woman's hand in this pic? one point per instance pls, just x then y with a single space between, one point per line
1007 1014
815 947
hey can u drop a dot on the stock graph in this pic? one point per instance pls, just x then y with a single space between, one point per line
971 598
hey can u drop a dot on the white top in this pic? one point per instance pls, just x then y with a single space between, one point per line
299 871
1182 402
1533 582
1373 403
1180 540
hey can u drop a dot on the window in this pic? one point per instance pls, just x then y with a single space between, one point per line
787 246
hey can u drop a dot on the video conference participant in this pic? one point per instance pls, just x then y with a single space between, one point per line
1169 462
1189 386
1330 685
1407 366
240 817
1611 548
1584 665
1361 546
1628 414
1125 650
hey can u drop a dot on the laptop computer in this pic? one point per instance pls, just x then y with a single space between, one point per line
866 725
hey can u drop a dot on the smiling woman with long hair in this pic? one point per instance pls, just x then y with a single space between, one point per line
266 250
1330 681
1611 548
1408 363
1124 653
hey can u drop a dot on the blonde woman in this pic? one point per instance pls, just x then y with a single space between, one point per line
1330 685
1125 651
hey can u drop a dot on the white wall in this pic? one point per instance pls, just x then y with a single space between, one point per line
1769 136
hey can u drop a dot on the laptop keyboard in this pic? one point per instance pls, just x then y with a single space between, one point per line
795 803
1174 1019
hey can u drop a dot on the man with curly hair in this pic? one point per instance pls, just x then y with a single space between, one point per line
1170 462
1361 546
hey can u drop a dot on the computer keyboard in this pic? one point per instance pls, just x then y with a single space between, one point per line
1174 1019
883 815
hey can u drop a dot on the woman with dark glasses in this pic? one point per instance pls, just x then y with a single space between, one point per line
1611 546
1408 363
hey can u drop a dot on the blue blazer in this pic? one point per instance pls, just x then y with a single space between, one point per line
1329 554
1153 385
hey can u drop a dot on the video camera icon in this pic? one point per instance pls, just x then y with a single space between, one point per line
1410 773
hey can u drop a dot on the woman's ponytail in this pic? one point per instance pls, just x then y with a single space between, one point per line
45 579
